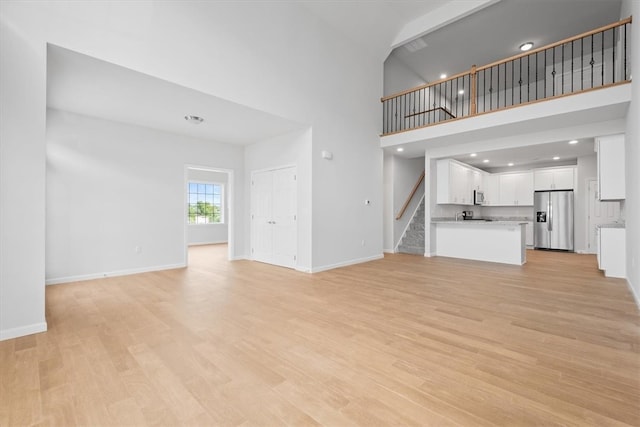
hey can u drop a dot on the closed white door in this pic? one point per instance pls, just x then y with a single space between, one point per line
274 217
261 207
599 213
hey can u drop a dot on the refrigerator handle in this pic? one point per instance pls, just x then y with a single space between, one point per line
550 215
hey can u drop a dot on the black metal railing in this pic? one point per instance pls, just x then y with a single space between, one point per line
598 58
427 104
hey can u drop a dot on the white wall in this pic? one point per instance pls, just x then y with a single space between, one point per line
293 65
113 187
587 169
202 234
398 77
292 149
22 181
632 153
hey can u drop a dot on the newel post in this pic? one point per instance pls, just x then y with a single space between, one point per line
472 95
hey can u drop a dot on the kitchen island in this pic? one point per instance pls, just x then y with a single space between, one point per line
494 241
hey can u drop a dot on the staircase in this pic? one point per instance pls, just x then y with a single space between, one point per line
413 240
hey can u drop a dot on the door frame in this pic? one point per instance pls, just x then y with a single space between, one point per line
230 208
588 249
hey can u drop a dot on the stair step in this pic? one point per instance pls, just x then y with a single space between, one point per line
411 250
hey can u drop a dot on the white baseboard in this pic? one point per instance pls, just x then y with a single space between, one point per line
238 258
346 263
429 254
8 334
389 251
636 297
217 242
79 278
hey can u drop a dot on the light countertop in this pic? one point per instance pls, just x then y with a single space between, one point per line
479 223
614 225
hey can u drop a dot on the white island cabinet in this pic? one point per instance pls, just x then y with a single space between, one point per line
494 241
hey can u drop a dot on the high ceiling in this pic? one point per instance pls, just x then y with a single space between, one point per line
371 24
497 31
89 86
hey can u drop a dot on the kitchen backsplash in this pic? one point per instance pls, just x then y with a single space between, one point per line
493 212
519 212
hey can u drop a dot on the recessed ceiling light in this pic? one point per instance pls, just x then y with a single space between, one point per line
443 76
526 46
194 119
461 91
485 161
400 149
556 158
573 141
510 164
473 154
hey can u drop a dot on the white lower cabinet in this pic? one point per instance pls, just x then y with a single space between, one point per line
529 233
611 252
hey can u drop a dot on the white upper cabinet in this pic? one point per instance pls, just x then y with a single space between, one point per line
491 189
554 179
516 189
611 168
456 182
477 180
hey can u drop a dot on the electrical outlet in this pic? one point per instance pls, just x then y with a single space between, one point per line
363 242
138 249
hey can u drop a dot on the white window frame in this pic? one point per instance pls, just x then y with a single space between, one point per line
222 203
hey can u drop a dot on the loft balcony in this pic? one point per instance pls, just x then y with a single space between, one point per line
588 62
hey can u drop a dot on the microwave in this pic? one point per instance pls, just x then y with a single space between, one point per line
478 197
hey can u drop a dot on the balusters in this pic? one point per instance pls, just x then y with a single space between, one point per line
600 59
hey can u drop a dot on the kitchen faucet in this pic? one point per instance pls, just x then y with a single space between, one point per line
459 213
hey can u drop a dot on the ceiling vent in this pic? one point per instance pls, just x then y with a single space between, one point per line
415 45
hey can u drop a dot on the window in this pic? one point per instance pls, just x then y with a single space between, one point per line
205 203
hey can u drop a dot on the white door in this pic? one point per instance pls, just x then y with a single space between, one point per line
261 207
284 217
273 217
599 213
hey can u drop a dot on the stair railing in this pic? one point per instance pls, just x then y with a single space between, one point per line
413 193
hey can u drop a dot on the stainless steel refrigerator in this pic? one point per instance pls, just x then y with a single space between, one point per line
553 220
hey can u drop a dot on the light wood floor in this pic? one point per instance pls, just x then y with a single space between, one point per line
402 341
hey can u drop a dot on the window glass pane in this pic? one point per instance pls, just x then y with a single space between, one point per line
204 203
